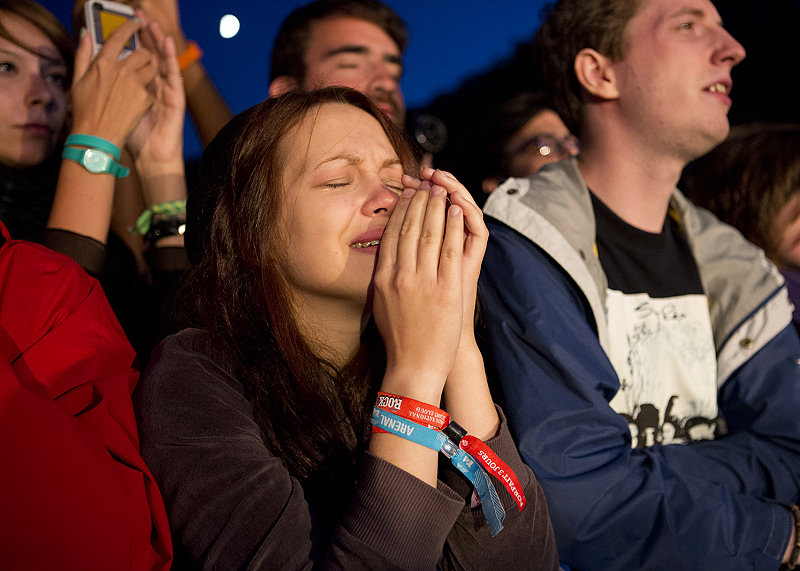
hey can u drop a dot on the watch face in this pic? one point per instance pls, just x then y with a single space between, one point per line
96 161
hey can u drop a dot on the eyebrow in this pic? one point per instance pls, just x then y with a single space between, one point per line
688 11
361 50
355 160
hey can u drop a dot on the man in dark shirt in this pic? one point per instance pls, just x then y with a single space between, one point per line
613 305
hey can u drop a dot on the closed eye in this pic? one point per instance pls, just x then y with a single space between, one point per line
335 185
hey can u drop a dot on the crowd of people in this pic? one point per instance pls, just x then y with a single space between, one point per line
329 353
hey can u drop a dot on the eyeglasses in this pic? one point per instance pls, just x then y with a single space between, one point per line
547 145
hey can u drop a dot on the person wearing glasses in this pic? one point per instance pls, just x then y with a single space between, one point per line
524 135
515 139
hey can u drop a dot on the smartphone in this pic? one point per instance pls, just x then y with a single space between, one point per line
105 16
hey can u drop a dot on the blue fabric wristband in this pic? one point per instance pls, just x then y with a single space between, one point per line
490 501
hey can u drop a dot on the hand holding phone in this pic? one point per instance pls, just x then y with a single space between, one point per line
105 16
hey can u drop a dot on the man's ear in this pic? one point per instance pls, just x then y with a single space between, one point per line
282 84
596 74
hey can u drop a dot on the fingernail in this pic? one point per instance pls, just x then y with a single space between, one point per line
425 185
436 190
454 210
82 32
408 192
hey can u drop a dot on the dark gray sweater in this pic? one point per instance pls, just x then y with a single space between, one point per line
233 505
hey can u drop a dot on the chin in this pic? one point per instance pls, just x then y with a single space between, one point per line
25 162
703 145
720 132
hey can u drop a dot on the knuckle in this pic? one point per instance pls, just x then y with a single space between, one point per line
429 238
404 282
450 253
406 229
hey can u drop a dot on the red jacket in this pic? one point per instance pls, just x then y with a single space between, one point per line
74 491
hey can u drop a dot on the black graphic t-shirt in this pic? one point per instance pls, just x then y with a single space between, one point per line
661 342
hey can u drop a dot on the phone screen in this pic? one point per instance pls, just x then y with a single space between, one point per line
106 21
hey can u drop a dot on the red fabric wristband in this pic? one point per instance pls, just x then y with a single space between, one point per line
479 450
433 417
413 410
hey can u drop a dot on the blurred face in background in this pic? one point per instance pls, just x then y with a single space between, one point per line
33 100
542 140
355 53
786 234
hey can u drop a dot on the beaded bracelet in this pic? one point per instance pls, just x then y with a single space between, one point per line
169 208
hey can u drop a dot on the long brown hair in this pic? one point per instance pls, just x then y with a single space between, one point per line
311 413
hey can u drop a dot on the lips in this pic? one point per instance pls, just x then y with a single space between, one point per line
388 109
723 87
386 105
37 129
368 239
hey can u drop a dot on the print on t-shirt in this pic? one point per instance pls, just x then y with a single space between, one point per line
663 352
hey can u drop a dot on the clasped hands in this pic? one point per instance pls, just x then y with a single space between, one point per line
426 283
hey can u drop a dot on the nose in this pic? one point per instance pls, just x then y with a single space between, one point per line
38 91
730 51
384 78
381 200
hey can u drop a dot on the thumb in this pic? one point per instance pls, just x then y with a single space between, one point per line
83 57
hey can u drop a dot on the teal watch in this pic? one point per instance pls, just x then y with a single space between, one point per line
96 161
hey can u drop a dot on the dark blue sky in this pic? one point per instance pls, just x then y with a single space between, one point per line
449 41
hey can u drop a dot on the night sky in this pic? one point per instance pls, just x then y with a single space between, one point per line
452 41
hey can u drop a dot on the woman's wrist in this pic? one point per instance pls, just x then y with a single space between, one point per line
418 384
466 394
159 169
161 181
181 43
